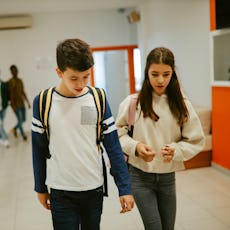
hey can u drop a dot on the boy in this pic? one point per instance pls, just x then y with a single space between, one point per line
17 101
74 171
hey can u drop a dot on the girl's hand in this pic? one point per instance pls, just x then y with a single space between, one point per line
145 152
167 153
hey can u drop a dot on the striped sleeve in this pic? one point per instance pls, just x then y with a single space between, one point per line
40 149
112 146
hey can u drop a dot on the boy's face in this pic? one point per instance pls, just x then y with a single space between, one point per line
73 82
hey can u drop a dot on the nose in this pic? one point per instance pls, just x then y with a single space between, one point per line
161 79
81 83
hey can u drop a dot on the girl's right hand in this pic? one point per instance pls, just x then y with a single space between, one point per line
145 152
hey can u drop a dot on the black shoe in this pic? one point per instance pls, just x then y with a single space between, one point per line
25 138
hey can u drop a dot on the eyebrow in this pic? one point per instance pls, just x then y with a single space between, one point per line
154 71
75 76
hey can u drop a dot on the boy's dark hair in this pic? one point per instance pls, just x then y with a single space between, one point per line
74 54
13 67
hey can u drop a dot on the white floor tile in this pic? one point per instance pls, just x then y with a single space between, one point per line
203 198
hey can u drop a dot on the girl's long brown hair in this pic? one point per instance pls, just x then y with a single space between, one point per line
162 55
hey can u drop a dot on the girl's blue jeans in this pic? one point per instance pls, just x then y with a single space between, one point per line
155 197
76 210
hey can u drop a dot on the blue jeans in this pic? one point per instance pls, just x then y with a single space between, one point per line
21 117
3 134
155 197
70 210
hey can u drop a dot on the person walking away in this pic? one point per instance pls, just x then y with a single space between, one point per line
4 97
17 99
69 181
166 132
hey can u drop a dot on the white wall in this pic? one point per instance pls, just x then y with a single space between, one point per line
33 50
182 26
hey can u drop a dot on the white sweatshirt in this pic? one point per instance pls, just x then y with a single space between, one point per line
187 140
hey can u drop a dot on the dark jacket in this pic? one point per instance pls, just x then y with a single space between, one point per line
5 94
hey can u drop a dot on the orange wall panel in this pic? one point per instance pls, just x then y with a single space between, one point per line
212 9
221 126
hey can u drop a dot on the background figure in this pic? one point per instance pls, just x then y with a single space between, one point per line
17 98
3 105
167 132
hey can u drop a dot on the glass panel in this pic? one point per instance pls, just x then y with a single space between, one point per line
221 57
137 69
111 73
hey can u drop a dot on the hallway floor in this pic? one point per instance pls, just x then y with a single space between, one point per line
203 197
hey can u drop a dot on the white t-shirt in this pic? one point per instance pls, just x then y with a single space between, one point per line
75 163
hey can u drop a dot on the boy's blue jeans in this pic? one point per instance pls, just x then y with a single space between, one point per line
21 117
155 197
70 210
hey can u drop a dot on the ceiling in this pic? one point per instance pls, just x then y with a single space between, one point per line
35 6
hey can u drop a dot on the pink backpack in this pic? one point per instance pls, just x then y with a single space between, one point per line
132 109
131 119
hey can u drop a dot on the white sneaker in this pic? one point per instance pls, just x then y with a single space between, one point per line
6 143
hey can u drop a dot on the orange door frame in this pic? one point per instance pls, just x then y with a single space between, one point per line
212 9
130 52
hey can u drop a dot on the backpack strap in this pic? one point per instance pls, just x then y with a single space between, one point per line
131 120
44 107
132 109
99 98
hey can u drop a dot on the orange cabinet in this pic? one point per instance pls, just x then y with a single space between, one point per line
220 79
221 126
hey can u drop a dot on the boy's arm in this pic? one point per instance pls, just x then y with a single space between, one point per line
119 169
39 149
25 96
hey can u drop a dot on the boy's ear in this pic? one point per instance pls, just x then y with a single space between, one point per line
59 72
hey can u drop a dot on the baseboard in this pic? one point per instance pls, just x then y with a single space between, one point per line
202 159
221 169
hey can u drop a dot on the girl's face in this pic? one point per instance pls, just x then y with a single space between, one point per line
159 77
73 82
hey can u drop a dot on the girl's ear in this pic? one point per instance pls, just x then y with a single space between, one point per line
59 72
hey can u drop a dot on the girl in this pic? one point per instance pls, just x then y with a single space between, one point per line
167 132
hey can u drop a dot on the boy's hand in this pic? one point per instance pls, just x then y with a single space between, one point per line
44 199
145 152
127 203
